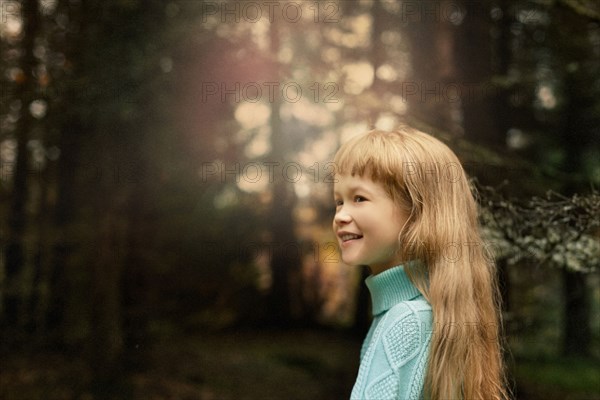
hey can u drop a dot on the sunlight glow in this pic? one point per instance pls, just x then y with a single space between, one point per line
285 55
302 189
352 129
47 7
254 178
398 105
11 27
386 122
387 73
361 25
355 32
260 33
325 146
359 77
8 151
331 55
516 139
305 214
305 110
260 144
546 97
38 108
252 115
226 198
391 38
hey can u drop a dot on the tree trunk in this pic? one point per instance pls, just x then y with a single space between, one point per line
486 113
60 280
579 132
475 66
106 328
431 91
136 288
577 333
70 140
15 248
286 258
38 301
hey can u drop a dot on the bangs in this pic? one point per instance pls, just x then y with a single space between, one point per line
376 155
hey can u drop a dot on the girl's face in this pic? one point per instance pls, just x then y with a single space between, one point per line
367 223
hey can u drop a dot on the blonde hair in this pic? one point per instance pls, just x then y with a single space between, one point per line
450 265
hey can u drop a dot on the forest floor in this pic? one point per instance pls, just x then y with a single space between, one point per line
249 365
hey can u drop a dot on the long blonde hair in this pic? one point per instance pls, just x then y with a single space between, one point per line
452 269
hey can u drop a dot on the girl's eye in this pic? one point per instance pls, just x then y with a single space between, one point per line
359 199
338 203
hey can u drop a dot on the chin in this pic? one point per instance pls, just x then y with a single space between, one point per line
348 261
353 263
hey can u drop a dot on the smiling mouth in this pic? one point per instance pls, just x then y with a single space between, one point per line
348 237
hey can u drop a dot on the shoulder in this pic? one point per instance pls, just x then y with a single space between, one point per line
406 330
409 313
418 307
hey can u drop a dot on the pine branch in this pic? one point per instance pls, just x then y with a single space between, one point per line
555 229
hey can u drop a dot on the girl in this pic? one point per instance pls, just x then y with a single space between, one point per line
404 209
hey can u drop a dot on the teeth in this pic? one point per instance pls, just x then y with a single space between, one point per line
349 237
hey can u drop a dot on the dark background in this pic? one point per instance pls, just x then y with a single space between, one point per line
165 183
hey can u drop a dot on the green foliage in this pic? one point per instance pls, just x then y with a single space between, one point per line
560 377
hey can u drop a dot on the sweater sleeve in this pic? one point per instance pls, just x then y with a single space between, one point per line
394 364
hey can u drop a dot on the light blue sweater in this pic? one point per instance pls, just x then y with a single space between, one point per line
393 358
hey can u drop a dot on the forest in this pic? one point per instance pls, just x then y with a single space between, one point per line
166 186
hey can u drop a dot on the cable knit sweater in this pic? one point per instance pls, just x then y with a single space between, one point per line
394 354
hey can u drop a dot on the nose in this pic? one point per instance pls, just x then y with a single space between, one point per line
341 217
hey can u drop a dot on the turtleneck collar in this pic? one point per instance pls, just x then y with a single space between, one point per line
389 288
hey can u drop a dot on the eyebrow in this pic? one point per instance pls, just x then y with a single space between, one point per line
354 189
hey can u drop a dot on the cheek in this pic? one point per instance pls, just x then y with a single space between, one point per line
401 214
